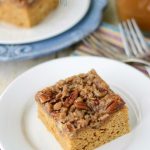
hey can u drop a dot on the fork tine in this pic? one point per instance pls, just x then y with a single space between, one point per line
135 38
125 42
140 36
132 48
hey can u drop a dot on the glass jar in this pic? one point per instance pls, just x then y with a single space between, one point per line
137 9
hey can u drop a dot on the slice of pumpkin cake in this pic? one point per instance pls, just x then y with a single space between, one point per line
82 112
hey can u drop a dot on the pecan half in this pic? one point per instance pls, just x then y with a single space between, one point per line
43 98
114 106
58 106
81 105
103 92
70 100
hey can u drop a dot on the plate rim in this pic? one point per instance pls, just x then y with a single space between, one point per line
68 57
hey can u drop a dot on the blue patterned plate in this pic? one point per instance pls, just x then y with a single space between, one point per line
42 48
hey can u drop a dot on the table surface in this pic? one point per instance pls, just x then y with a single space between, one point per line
10 70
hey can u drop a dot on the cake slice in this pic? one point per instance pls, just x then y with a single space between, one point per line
82 112
25 13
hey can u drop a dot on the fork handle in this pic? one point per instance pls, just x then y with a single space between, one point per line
136 60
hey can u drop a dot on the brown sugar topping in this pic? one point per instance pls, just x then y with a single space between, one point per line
80 101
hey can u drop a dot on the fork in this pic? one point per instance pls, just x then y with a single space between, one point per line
135 46
133 40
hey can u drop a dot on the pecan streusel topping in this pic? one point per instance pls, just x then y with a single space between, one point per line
80 101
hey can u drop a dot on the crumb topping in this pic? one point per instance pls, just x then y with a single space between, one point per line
80 101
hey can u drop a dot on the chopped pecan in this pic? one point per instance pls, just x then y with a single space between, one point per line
96 102
90 95
103 92
82 123
64 91
59 95
87 117
104 117
81 105
79 113
57 106
62 115
82 75
70 100
100 83
43 98
89 82
70 127
74 94
72 108
96 93
53 101
79 99
49 107
54 114
64 109
114 106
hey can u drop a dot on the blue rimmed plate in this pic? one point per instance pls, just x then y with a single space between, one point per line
28 51
65 16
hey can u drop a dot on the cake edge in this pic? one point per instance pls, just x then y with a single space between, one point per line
69 143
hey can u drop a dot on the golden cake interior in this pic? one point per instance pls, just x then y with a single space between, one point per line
83 124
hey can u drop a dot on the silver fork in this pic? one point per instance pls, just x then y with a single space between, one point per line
136 48
99 46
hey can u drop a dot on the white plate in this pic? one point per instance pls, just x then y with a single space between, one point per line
68 13
20 129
